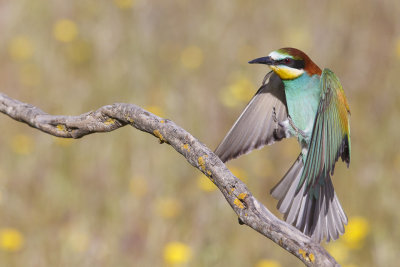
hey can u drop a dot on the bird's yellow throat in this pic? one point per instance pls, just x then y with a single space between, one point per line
286 73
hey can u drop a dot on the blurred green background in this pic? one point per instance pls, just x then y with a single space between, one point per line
122 199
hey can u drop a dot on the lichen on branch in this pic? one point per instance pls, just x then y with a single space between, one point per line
111 117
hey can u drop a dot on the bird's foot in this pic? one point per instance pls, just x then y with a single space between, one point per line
280 130
279 134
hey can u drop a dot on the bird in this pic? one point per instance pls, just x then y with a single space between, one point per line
298 99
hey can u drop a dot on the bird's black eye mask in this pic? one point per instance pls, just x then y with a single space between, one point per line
291 63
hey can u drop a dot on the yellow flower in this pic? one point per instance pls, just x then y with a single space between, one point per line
205 184
20 48
398 48
11 239
22 144
65 30
156 110
242 90
267 263
192 57
238 92
239 173
124 4
168 207
356 231
138 186
176 253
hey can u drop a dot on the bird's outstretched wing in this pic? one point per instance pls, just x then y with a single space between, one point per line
257 124
331 134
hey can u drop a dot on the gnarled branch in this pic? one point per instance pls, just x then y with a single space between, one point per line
111 117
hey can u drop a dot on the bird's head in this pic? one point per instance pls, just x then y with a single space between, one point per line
289 63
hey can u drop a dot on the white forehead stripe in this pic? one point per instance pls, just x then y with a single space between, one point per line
278 56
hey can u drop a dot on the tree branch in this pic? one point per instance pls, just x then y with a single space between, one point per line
111 117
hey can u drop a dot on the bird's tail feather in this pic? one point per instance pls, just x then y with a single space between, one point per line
318 215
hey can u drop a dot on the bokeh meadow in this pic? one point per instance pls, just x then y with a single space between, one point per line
121 198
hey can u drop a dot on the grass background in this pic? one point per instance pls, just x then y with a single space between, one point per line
121 199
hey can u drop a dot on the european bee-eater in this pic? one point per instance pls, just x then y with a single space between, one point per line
298 99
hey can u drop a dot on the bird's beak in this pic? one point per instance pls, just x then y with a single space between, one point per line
262 60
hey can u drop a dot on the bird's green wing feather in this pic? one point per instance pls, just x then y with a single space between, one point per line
331 133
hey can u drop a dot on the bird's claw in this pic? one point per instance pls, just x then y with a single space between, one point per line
279 132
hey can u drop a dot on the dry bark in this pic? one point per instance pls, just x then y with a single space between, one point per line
111 117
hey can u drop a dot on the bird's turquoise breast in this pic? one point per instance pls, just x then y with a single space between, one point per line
302 97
